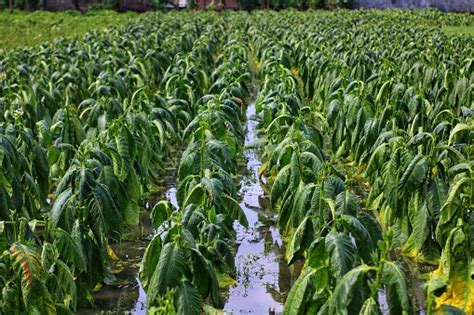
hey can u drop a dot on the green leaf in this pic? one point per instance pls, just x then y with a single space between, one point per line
195 196
107 210
149 261
419 219
317 255
346 203
450 207
370 307
160 213
189 301
397 293
450 310
206 278
37 299
300 294
59 206
415 173
346 288
213 188
68 286
201 273
131 213
280 185
362 237
169 271
461 127
69 250
437 194
48 256
235 211
371 225
301 239
342 253
124 152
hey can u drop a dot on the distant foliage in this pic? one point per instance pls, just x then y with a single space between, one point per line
250 5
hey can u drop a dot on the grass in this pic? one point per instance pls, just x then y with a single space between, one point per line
19 29
459 30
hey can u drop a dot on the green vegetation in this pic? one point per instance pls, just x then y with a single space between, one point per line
459 30
88 124
405 122
20 29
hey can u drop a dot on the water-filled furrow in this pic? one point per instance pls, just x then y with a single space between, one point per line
263 278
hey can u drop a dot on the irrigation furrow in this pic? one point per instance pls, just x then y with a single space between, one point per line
263 276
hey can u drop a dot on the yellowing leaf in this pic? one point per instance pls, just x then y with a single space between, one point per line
262 169
225 280
98 287
112 254
460 291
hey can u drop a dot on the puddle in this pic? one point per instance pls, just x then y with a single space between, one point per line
130 297
263 277
171 196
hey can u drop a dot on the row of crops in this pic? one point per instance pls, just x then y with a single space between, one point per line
366 137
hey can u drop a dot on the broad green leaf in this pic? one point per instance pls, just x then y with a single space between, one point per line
195 196
205 278
300 241
168 273
107 210
281 184
59 206
235 211
300 293
149 261
346 203
362 237
461 127
394 277
188 302
419 220
131 213
68 286
69 250
414 174
160 213
342 253
346 288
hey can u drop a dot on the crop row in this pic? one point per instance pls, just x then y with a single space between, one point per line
366 122
182 265
86 127
399 112
346 256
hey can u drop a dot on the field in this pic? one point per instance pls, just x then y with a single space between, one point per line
459 30
19 29
303 162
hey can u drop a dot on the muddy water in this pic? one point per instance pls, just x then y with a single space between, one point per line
263 278
127 296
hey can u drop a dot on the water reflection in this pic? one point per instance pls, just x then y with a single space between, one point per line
127 296
263 276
